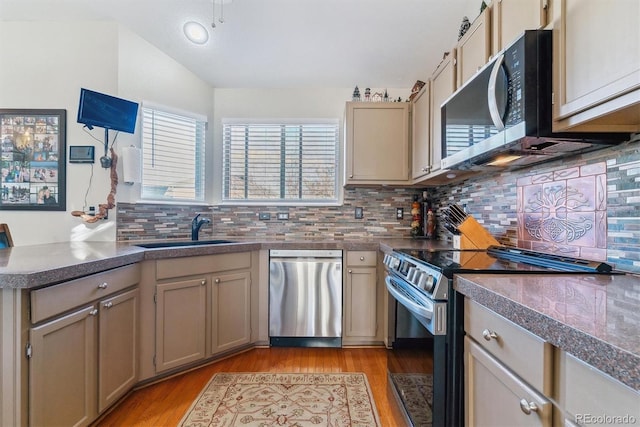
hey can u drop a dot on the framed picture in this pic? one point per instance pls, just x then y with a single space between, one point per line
33 159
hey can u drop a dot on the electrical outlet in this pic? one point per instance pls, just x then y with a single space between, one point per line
283 215
264 216
399 213
359 212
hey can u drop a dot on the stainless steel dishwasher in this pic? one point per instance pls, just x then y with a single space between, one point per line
305 298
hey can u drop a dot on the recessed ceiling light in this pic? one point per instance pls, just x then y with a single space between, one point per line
196 32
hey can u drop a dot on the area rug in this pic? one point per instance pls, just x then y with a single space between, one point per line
416 392
284 400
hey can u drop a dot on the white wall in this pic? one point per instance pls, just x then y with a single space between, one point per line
44 65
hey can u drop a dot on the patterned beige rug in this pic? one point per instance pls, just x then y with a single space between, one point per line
287 400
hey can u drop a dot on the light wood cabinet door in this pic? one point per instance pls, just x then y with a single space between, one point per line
62 372
495 396
360 301
474 48
377 143
511 17
118 344
230 311
180 322
421 133
443 84
596 65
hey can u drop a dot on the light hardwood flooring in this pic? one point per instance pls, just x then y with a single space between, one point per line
164 403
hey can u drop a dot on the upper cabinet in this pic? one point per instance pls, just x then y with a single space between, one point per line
443 84
474 48
596 65
377 143
421 133
511 17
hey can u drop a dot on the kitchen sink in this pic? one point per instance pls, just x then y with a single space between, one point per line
182 244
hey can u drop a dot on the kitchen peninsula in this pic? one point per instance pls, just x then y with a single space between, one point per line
607 341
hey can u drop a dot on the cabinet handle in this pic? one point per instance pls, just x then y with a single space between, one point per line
93 312
103 285
528 407
108 305
217 280
488 335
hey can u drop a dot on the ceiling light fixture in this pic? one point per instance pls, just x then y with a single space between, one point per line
196 32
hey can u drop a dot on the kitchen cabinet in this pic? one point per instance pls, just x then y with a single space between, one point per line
360 298
443 84
474 48
377 143
596 81
82 351
211 297
421 133
584 393
511 17
506 367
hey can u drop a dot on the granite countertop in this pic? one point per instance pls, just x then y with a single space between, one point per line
40 265
594 317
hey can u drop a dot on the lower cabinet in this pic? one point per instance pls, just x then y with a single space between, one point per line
508 372
83 362
203 307
360 314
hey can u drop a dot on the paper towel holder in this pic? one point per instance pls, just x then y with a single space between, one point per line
131 171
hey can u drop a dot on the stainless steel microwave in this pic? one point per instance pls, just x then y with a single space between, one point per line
502 117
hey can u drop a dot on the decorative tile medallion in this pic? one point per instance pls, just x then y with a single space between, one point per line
564 212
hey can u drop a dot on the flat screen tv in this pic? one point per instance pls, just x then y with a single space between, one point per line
106 111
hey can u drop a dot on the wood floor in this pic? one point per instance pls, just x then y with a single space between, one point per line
164 403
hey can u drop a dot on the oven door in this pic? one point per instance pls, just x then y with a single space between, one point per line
416 362
431 314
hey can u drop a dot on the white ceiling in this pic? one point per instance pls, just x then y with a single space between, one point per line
284 43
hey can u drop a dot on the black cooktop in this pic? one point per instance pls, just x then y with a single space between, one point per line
502 260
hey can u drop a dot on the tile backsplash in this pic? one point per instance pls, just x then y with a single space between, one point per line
152 221
606 181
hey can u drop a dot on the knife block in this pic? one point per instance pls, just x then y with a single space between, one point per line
473 236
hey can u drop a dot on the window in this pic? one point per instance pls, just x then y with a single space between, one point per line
172 156
285 162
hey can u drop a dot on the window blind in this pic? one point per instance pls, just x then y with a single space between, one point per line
286 162
172 156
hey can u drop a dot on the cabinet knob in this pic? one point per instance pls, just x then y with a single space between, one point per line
103 285
108 305
349 271
217 280
361 258
350 176
488 335
528 407
204 282
93 312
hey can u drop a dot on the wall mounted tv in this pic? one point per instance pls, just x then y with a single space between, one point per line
106 111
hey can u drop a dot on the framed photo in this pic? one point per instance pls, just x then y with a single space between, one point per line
33 161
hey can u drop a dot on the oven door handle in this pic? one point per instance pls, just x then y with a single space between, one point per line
426 312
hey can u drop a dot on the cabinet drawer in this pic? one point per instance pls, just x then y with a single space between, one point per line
52 300
584 391
361 258
527 355
180 267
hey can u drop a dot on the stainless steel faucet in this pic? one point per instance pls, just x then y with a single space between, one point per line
196 223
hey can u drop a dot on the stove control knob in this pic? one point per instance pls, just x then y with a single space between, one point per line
429 282
411 272
386 259
421 279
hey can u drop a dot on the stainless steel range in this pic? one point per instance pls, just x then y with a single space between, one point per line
421 284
